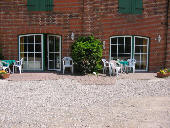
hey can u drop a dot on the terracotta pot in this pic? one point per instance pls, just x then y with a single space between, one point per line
4 76
160 75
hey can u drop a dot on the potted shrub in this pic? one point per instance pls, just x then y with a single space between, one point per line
4 74
163 73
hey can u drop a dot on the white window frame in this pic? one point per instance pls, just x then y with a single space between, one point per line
42 38
142 53
118 45
54 52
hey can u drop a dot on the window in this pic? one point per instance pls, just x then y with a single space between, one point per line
120 47
30 48
40 5
130 6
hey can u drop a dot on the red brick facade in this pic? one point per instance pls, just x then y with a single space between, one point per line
87 17
168 39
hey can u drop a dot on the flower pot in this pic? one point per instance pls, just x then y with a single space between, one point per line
161 75
4 76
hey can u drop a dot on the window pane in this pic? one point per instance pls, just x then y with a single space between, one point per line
51 56
127 45
57 61
57 44
121 40
38 57
37 47
114 49
113 40
31 57
121 48
30 39
38 39
51 64
141 49
25 39
51 44
30 47
140 41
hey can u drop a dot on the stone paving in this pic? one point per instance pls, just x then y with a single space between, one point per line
50 100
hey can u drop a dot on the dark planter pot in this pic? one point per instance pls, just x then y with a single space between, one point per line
160 75
4 76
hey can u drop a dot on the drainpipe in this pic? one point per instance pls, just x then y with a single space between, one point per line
166 45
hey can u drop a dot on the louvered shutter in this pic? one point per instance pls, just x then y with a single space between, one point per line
33 5
124 6
137 6
49 5
42 6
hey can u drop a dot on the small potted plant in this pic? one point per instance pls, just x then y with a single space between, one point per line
4 74
163 73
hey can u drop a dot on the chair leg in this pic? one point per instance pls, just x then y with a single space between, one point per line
19 70
133 69
117 72
13 69
72 70
63 69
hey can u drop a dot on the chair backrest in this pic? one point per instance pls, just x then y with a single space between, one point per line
131 62
112 64
104 62
1 65
21 61
67 61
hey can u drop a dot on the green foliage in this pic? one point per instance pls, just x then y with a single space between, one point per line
87 54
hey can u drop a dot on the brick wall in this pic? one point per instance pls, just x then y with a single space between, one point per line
106 22
85 17
168 41
15 20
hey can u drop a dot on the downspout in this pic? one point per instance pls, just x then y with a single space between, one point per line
166 45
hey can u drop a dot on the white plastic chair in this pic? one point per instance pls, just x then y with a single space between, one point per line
68 63
105 65
18 64
6 67
131 64
114 67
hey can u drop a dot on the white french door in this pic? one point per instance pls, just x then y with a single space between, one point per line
54 52
141 49
126 47
31 49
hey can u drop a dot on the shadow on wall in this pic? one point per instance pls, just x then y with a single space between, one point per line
1 56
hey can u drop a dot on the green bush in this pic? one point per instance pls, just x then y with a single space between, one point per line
87 54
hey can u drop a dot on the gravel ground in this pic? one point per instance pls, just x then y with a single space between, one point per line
126 101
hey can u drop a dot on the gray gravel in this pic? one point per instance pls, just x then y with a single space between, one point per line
67 103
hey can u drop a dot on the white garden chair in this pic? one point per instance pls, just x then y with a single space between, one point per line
67 63
131 64
18 64
114 67
105 65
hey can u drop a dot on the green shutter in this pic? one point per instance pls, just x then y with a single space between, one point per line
125 6
137 6
42 6
33 5
49 5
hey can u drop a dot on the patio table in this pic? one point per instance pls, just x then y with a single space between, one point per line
124 63
9 62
